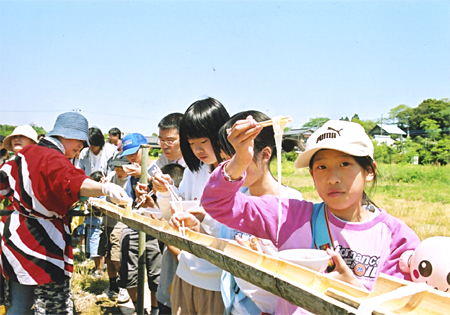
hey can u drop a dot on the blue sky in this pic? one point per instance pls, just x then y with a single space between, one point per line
127 64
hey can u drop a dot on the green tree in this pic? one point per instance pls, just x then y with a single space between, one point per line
368 125
431 128
355 117
441 151
6 130
384 153
316 122
429 109
396 117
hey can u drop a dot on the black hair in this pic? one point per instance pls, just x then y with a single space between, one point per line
367 163
175 171
2 137
115 132
97 176
171 121
266 138
96 137
202 119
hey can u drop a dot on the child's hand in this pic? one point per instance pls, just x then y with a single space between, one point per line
189 220
250 242
241 137
132 169
142 194
198 212
342 271
160 181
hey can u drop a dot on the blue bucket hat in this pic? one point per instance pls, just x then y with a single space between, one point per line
71 125
131 143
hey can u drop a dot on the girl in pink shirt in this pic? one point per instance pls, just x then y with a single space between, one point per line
366 240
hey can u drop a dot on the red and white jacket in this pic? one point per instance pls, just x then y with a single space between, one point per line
35 245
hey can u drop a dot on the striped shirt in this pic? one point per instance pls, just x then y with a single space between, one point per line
35 245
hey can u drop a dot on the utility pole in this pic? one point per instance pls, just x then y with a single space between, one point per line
381 125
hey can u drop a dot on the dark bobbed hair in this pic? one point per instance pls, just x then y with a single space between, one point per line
367 163
202 119
266 138
171 121
175 171
97 176
96 137
115 132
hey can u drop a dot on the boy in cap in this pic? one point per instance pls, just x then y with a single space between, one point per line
129 242
111 230
36 251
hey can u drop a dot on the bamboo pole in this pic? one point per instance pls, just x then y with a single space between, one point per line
298 285
141 261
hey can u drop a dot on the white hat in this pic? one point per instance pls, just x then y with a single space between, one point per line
344 136
25 130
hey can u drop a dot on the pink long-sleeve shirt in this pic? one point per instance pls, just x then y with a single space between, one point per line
368 247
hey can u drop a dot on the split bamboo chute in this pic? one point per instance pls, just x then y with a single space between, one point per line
300 286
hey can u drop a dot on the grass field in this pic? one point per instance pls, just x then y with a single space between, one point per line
418 195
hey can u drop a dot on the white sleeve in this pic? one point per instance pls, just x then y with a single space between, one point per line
81 163
163 199
211 226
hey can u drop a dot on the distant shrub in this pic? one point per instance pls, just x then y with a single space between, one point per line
408 173
154 152
291 156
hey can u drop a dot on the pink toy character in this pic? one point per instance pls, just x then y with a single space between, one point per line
429 263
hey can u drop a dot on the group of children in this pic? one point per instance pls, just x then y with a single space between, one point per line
227 169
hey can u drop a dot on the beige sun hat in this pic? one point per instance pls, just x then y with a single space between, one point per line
344 136
25 130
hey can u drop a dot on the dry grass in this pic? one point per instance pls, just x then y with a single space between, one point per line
85 289
423 204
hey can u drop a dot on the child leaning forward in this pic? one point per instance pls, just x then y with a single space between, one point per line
367 240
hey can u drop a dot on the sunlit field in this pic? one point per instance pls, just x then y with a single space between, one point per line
418 195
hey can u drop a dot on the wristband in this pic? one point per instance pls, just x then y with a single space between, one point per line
228 177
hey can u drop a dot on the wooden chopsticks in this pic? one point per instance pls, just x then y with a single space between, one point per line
267 123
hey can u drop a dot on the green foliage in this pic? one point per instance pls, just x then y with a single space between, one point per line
290 156
396 117
316 122
414 174
154 152
368 125
385 154
439 111
6 130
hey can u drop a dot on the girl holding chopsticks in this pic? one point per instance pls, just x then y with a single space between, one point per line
196 285
366 239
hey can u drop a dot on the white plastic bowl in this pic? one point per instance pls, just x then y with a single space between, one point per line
155 211
185 205
314 259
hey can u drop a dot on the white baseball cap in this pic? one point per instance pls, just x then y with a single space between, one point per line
344 136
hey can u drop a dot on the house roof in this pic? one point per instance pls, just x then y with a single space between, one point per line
388 129
153 141
298 131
